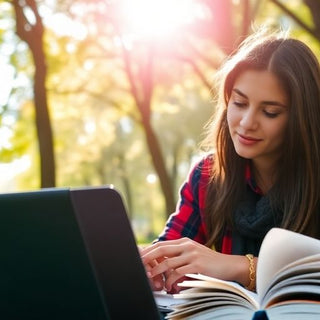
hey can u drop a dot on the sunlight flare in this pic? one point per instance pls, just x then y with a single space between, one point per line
154 18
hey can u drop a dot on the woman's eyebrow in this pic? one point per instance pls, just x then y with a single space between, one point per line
239 93
273 103
265 102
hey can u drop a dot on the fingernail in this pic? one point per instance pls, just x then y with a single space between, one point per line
149 274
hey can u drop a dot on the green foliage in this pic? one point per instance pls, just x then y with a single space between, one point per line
23 135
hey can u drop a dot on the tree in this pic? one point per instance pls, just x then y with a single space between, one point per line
312 28
32 32
143 70
140 71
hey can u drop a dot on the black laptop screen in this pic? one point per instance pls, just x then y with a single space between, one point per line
45 272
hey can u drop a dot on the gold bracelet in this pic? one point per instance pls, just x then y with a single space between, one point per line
252 273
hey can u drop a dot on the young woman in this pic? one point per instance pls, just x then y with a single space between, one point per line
264 171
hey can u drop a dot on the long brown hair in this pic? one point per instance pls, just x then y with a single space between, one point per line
297 189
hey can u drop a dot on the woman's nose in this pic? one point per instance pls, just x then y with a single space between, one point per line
249 120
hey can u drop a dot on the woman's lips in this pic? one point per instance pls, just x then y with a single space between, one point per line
247 140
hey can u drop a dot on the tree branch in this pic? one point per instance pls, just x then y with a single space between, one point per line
296 19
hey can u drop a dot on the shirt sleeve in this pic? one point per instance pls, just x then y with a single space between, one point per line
188 220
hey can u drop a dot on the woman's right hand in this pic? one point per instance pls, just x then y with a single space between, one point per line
174 259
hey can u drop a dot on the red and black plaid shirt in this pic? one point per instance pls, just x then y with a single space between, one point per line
188 220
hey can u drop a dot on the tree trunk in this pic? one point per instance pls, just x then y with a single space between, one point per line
141 89
32 34
160 167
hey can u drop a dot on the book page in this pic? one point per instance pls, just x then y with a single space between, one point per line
299 281
294 310
300 289
208 310
215 286
279 248
165 301
306 269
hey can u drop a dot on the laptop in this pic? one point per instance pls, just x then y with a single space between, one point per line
70 254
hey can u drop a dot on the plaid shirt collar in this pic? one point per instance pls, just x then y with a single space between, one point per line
250 179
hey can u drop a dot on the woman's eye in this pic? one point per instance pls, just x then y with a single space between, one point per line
239 104
271 114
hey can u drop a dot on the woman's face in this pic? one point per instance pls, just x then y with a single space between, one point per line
257 116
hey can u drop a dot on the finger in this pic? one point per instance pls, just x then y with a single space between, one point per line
175 288
167 265
160 244
144 250
162 252
150 264
157 283
171 280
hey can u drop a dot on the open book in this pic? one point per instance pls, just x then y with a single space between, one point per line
288 285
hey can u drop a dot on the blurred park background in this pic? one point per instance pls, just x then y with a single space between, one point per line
102 92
